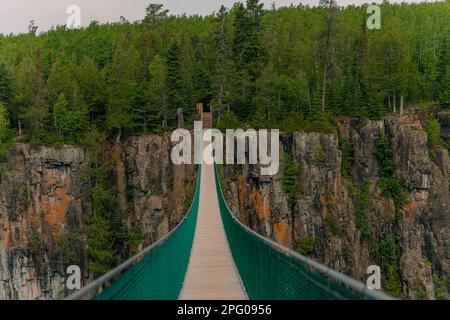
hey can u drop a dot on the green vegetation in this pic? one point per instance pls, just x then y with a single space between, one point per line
306 245
346 148
25 198
319 156
390 187
189 197
250 63
333 224
290 181
35 244
362 209
419 289
5 133
105 231
101 245
441 288
133 239
384 155
386 253
433 129
66 251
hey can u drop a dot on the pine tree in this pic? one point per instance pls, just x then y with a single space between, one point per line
327 44
222 65
4 131
444 97
59 113
174 83
5 85
93 88
248 55
443 64
30 95
154 13
123 78
156 114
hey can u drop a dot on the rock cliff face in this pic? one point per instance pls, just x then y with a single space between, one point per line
339 213
342 216
44 197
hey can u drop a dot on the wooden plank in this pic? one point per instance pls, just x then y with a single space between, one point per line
211 274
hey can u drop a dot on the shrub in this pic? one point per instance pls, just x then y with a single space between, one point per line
362 209
384 155
441 288
394 283
228 120
188 198
67 250
295 121
35 244
306 245
100 245
133 239
392 188
319 157
334 226
433 130
289 180
347 157
386 253
5 133
419 289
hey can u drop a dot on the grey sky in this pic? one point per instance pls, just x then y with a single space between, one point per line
15 15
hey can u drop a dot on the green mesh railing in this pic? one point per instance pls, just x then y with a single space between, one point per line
156 273
270 271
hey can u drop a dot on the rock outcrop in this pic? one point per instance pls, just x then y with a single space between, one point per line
342 218
45 196
42 201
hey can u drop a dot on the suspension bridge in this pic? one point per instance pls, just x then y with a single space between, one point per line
212 255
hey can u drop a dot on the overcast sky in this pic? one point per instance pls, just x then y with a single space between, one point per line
15 15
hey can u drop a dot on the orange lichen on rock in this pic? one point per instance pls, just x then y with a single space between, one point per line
49 177
412 208
324 202
55 207
281 233
7 239
262 210
242 196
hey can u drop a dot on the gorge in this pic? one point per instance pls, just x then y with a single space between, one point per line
328 201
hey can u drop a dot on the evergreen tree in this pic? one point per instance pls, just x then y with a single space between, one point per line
59 112
222 65
93 88
154 13
157 108
30 95
248 54
327 45
174 83
5 85
123 76
5 136
444 97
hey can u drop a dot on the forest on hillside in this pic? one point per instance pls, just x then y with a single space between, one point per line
293 68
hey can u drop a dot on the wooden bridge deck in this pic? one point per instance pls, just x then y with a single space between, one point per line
212 274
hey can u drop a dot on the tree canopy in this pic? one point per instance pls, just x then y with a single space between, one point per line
266 66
